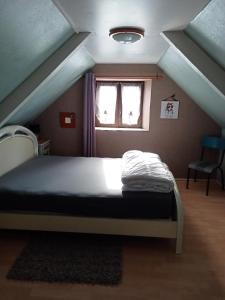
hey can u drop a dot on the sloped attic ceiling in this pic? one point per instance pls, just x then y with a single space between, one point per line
99 16
35 37
40 57
196 60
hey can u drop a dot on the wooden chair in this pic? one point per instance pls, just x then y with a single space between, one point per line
210 143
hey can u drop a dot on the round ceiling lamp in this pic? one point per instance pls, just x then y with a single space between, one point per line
126 35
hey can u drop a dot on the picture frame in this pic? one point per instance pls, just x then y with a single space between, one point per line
169 109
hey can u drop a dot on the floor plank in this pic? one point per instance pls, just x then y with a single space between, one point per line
151 270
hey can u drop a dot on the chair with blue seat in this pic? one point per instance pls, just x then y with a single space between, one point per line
204 166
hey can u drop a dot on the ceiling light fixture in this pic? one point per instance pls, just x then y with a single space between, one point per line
126 35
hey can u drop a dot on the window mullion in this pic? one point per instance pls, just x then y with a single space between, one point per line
117 108
119 101
141 106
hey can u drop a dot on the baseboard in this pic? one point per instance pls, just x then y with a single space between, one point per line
191 179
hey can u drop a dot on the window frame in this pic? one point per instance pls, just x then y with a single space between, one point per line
118 111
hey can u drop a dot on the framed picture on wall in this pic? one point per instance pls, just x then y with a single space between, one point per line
169 109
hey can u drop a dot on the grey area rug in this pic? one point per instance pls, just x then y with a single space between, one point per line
70 258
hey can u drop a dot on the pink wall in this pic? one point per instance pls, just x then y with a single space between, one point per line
177 141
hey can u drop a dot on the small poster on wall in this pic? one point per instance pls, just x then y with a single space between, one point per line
169 109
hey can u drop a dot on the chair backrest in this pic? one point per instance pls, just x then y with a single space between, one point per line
213 142
216 143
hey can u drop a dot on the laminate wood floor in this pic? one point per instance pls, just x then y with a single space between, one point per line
151 269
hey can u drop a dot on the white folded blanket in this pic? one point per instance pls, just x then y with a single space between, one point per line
144 171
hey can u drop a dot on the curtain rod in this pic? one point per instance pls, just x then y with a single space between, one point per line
106 78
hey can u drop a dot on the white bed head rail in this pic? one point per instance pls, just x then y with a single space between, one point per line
17 145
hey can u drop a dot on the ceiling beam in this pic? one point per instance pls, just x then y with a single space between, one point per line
198 59
15 100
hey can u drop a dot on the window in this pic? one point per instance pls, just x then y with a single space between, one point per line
119 104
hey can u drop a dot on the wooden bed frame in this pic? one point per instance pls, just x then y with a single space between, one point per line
18 144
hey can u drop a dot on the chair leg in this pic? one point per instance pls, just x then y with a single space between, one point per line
222 178
195 176
188 176
207 187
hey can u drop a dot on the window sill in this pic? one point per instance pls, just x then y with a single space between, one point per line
120 129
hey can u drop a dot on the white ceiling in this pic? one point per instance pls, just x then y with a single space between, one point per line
154 16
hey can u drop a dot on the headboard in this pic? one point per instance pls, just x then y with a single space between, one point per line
17 145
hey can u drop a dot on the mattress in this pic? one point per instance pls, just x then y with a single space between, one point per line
79 186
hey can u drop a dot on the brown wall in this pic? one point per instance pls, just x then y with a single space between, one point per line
64 141
177 141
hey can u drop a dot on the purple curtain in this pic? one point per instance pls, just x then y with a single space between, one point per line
89 135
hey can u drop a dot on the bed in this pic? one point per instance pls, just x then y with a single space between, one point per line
77 194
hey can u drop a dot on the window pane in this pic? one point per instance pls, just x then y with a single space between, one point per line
131 100
106 104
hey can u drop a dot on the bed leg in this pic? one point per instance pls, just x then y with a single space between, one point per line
179 245
180 220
